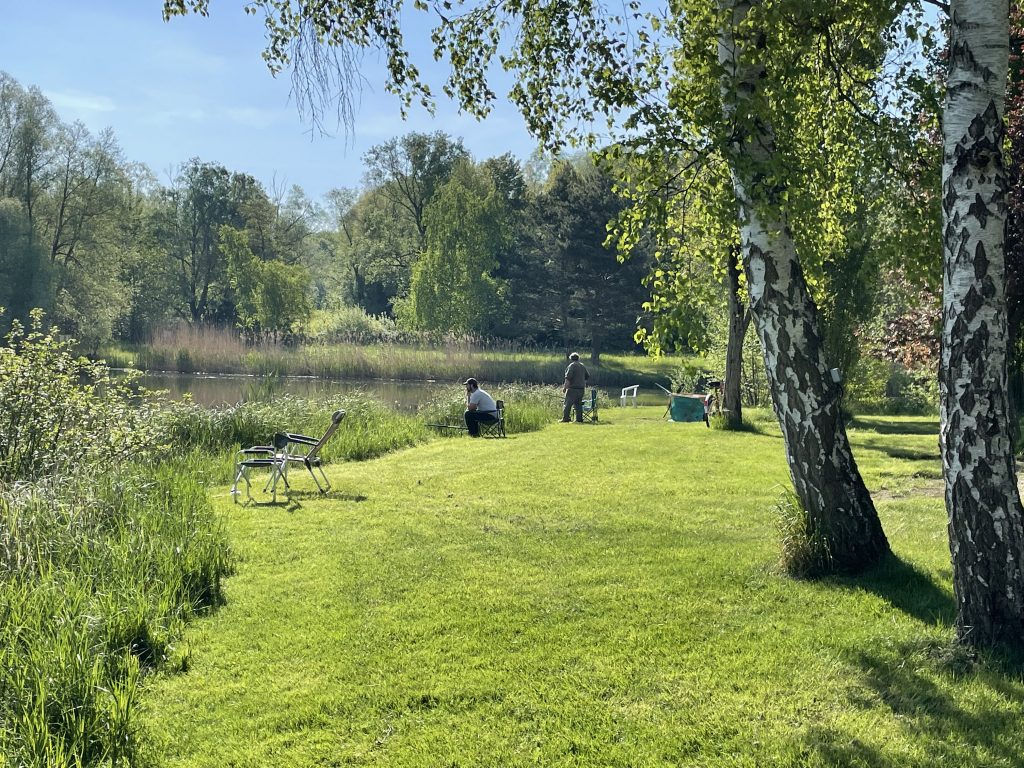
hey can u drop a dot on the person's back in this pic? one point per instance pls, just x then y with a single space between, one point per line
483 401
576 376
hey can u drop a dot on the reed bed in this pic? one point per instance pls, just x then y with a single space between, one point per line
220 351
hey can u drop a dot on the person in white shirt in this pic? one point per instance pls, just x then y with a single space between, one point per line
480 408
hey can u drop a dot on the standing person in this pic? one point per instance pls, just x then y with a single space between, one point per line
576 377
480 408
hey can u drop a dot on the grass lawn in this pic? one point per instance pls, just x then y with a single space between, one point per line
583 596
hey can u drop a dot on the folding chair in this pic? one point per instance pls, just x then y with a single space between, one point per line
497 428
590 407
287 448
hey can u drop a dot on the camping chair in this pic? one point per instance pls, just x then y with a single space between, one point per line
627 393
497 428
288 448
590 407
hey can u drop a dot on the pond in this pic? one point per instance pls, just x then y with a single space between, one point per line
218 389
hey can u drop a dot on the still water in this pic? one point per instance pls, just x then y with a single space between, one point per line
219 389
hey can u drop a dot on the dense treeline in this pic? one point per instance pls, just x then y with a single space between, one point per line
434 240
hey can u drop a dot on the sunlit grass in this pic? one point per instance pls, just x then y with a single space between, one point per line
584 595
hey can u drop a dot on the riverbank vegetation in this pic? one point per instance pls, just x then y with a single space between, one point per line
452 359
108 542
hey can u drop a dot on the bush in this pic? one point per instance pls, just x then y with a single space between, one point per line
60 413
352 325
879 386
106 548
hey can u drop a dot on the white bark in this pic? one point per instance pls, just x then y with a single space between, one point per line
982 502
825 476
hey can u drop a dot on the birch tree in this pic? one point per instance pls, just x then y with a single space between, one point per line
986 521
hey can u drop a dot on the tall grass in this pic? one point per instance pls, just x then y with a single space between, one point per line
211 350
97 576
106 548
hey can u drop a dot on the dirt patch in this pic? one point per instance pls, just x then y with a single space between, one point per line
933 489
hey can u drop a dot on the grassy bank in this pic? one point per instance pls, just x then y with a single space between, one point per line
212 351
584 595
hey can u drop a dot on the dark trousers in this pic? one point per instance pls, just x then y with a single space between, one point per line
475 418
573 399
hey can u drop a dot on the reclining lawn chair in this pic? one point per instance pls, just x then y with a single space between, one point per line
288 448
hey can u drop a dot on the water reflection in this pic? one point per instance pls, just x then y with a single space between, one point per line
220 389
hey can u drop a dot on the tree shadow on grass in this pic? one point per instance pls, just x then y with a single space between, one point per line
909 682
883 427
921 683
907 589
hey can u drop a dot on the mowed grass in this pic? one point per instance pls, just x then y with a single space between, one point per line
586 595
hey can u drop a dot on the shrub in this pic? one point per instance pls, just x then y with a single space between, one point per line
60 413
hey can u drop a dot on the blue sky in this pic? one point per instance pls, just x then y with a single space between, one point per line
196 87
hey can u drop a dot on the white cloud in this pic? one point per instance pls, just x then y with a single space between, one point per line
80 102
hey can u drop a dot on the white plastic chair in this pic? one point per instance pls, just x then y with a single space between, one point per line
627 394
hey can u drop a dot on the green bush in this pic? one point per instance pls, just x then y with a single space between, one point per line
60 413
883 387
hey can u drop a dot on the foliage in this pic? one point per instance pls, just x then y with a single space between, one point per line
453 288
107 545
804 552
97 575
353 325
60 413
271 297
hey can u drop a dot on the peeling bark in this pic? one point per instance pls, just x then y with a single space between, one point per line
986 533
841 515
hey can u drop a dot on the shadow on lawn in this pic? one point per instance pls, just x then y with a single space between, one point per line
921 683
908 589
880 425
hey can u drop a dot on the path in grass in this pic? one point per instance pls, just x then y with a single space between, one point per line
586 595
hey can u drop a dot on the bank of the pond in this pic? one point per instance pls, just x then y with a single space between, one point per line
584 595
101 566
390 362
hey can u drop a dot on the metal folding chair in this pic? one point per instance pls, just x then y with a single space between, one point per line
288 448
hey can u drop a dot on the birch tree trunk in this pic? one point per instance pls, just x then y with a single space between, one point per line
986 535
732 403
841 518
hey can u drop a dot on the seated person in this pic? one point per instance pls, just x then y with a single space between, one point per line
480 408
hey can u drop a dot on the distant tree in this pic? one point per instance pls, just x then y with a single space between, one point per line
26 272
270 297
407 171
453 287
